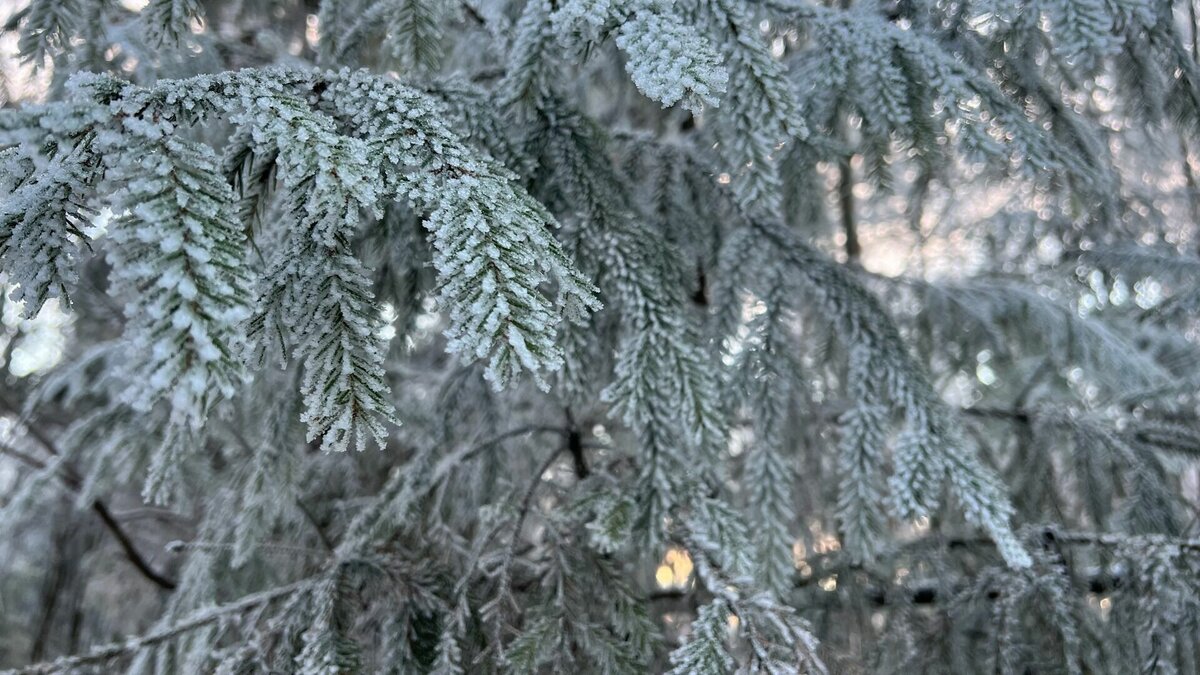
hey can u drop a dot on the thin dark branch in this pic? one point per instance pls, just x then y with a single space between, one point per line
312 519
522 515
846 203
131 551
527 499
575 446
71 479
23 457
1018 416
496 440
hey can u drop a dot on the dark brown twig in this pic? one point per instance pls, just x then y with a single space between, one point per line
71 479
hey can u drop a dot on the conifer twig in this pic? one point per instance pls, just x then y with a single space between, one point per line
197 619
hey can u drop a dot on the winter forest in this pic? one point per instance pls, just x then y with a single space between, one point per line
600 336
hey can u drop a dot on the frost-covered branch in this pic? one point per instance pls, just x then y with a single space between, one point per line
194 621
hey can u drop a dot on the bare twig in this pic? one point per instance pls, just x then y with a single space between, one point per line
130 550
312 519
71 479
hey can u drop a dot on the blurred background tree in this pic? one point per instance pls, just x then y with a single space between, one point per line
692 336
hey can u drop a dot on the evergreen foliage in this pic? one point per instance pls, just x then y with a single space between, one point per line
688 336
